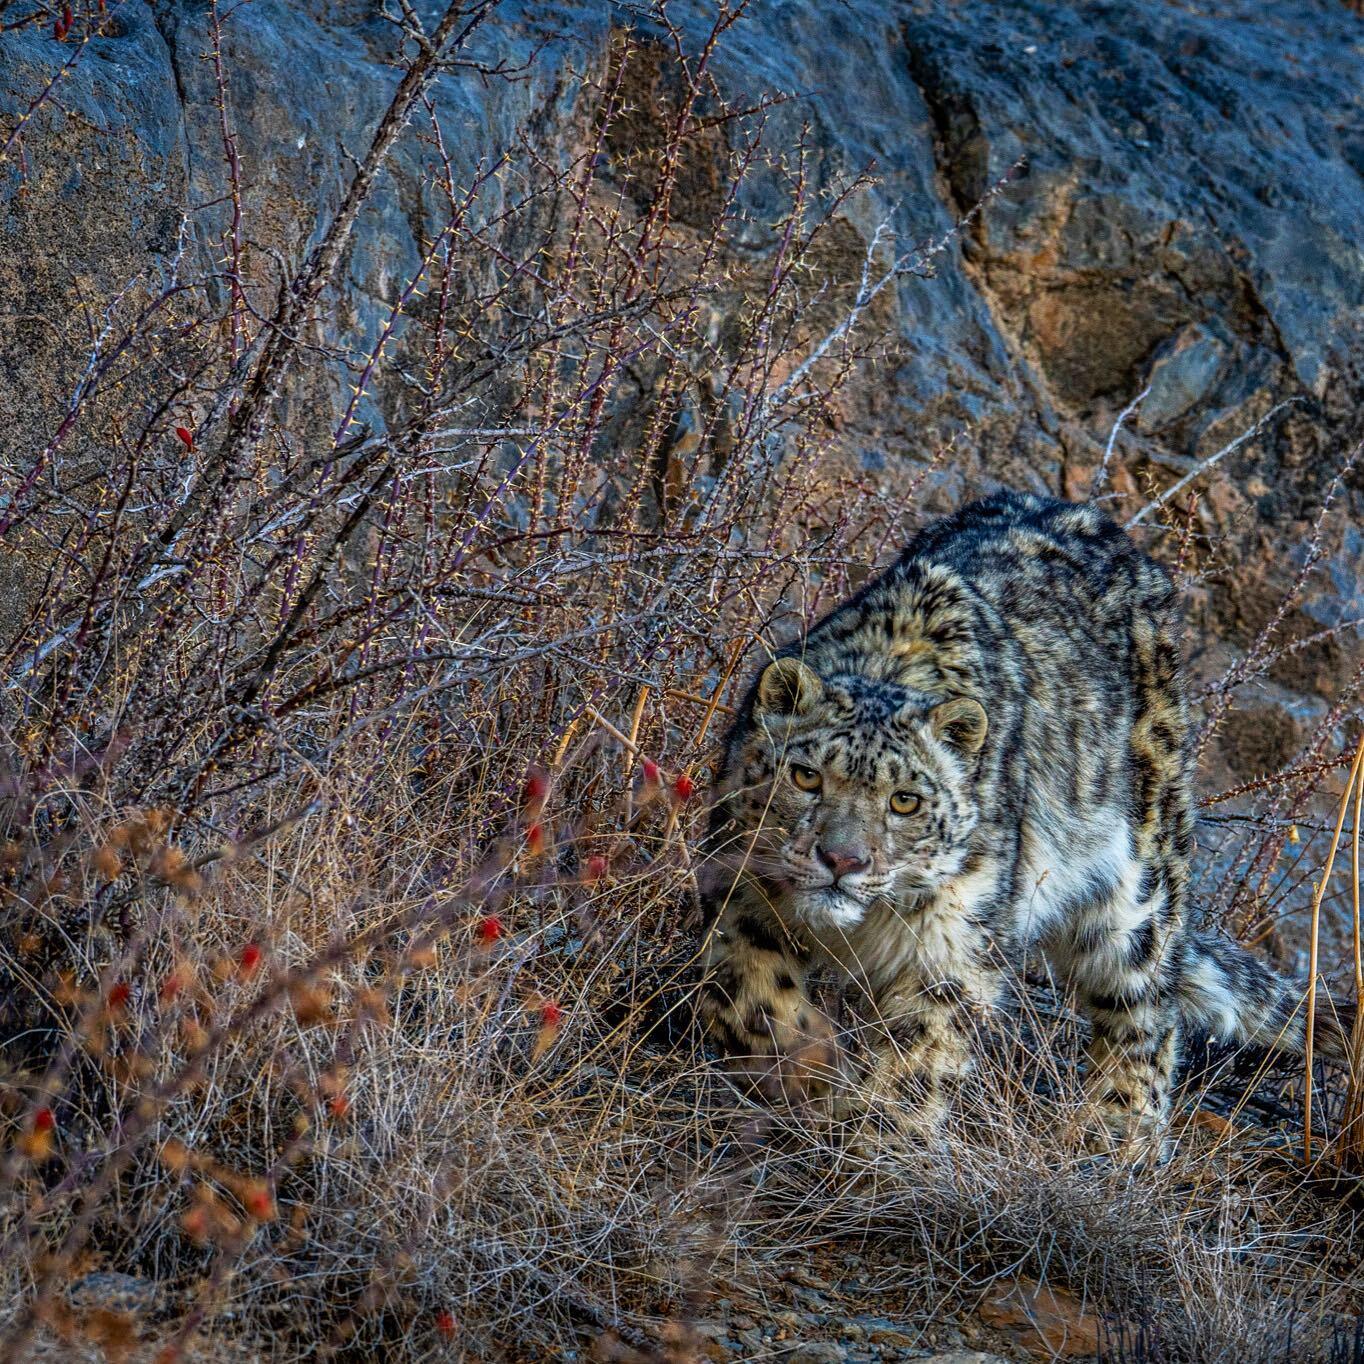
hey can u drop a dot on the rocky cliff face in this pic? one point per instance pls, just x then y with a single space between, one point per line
1185 184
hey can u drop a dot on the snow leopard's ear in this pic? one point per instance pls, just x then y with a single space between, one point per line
960 723
787 688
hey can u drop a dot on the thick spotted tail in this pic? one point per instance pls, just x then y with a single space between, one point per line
1230 994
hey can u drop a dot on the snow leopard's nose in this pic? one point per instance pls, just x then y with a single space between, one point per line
843 861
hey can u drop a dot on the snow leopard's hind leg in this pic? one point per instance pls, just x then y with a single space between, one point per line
1126 945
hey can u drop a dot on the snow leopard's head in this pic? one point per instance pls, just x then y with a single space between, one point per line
841 791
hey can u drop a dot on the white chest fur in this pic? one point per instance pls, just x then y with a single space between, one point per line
930 942
1071 871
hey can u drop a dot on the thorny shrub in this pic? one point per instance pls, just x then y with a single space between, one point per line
351 775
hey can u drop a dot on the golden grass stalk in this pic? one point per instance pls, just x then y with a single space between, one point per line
1317 896
1350 1144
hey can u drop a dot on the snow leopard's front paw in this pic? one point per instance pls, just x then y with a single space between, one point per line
895 1105
793 1066
806 1071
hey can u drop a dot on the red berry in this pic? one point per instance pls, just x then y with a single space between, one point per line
595 869
250 958
551 1014
43 1120
186 437
119 995
338 1105
259 1204
650 771
445 1323
683 787
489 930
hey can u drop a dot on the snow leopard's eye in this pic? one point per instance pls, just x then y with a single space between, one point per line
805 778
904 803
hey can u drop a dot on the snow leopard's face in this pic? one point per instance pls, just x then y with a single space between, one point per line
846 792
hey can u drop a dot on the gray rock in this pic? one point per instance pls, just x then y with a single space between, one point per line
1182 377
965 1357
1161 187
752 1338
1165 184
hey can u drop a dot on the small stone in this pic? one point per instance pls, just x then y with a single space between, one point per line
811 1300
964 1357
712 1330
1049 1322
885 1337
1182 377
106 1291
817 1352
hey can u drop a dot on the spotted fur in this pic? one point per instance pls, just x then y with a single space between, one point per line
985 750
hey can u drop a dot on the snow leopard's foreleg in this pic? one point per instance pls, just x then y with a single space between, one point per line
755 1007
923 1021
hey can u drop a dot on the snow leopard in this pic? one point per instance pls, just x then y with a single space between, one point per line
982 754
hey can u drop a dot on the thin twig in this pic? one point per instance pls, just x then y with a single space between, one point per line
1204 465
1101 474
